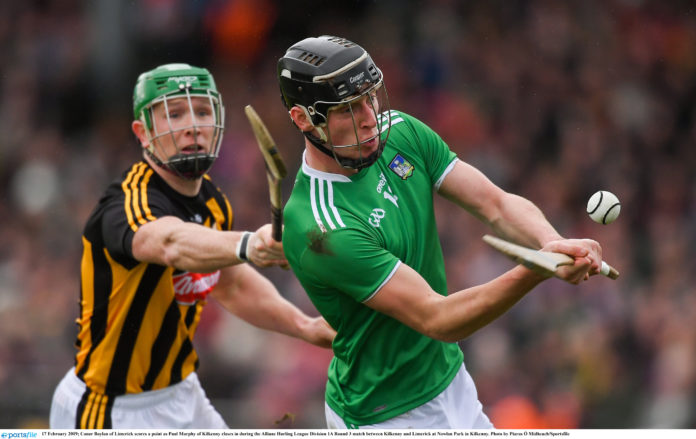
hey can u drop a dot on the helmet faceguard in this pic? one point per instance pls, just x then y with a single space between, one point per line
328 73
157 90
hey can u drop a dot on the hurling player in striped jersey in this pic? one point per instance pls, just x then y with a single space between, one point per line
360 235
158 245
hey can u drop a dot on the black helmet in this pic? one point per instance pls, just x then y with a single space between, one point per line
319 73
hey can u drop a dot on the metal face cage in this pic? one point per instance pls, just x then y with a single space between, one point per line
187 164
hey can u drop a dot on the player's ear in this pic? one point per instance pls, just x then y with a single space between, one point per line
140 132
301 118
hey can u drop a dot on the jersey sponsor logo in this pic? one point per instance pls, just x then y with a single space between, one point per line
376 217
190 288
388 193
401 167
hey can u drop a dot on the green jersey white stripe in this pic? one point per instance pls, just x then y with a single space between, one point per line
331 204
394 118
313 198
322 200
322 203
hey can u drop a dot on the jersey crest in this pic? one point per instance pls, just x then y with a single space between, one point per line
401 167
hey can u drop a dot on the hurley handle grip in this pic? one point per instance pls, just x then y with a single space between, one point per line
277 223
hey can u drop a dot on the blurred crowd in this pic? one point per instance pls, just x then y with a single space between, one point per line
552 100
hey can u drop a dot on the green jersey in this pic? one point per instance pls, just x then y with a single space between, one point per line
344 238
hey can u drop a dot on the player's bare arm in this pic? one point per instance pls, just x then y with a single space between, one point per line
192 247
516 219
254 299
408 298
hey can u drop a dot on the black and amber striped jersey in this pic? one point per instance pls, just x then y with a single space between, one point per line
137 320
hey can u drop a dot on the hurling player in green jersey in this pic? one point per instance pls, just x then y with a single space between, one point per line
360 235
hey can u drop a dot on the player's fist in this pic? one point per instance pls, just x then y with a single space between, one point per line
264 251
587 254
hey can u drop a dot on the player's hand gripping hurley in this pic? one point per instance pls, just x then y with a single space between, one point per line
275 169
540 261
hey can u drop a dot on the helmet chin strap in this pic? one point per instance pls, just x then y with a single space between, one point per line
189 167
356 164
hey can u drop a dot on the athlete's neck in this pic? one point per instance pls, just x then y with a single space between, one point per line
316 159
189 188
